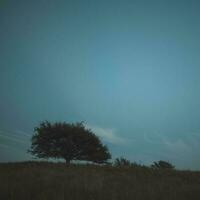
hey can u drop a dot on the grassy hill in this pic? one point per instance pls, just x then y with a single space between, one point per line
51 181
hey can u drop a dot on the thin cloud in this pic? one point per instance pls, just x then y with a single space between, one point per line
178 146
23 133
10 138
177 149
108 135
13 148
5 146
154 138
14 137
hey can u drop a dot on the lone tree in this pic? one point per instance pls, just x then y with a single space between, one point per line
68 141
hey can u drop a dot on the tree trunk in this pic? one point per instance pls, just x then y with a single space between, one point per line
67 161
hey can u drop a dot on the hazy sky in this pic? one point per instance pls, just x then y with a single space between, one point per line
129 69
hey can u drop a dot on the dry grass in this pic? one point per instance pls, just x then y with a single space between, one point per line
50 181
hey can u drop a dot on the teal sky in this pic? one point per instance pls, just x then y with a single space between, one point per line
129 69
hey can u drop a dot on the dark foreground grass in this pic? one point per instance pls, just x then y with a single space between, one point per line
50 181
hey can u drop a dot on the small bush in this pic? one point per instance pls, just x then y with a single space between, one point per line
162 165
119 162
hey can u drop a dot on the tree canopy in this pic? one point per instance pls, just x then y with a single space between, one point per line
70 141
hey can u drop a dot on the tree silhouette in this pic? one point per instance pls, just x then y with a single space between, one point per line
68 141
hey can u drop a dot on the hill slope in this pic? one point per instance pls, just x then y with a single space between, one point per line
50 181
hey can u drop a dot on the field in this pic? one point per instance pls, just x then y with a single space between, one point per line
56 181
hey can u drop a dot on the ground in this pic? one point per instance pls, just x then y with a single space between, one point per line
57 181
